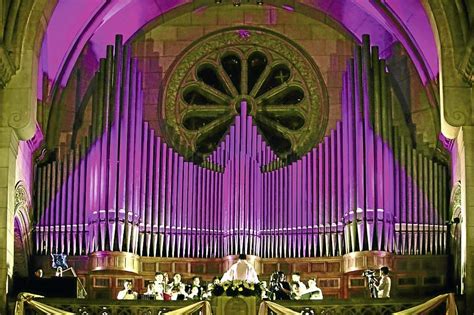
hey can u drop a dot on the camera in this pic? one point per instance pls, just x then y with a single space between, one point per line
372 282
368 273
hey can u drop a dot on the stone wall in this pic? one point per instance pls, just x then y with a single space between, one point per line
158 45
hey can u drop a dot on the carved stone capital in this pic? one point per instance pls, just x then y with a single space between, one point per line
22 120
457 105
7 67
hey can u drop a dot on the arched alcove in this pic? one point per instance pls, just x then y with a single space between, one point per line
22 228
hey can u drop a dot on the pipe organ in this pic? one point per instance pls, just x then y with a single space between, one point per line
365 187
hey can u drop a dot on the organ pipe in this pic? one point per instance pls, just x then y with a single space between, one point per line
364 187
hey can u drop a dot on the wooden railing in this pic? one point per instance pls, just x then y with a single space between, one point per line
143 307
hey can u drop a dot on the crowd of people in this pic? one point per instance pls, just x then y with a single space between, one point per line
161 288
242 272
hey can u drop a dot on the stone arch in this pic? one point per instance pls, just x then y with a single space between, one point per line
19 97
22 229
452 36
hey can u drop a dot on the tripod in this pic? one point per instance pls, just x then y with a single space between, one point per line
82 293
372 284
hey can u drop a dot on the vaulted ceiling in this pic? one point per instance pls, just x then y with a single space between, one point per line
97 22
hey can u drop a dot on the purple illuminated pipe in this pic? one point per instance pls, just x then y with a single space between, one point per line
129 191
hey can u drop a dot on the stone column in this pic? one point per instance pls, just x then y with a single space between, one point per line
8 154
467 176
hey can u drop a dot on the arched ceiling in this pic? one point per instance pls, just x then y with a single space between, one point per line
98 21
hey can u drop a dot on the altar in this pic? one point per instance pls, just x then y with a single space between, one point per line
235 305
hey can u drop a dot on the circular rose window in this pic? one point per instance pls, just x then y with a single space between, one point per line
205 86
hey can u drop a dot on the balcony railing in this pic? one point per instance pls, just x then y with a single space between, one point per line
226 306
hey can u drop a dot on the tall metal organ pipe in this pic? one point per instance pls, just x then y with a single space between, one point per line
364 187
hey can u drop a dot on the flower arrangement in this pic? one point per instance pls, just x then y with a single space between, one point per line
237 287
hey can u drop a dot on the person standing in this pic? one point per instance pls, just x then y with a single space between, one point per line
313 292
242 270
385 284
280 289
177 288
196 290
159 286
298 287
127 293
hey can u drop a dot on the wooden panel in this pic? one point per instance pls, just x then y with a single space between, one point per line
318 267
433 280
329 283
100 282
301 267
401 265
181 267
356 283
413 265
270 268
334 267
199 268
407 281
213 268
149 267
285 267
165 267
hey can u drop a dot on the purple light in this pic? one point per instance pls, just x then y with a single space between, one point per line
244 34
99 21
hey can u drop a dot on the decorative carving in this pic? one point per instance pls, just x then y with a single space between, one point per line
467 64
358 261
23 227
286 95
19 119
21 197
456 218
455 202
457 110
236 306
7 68
114 261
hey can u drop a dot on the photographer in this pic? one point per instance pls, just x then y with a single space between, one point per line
385 284
280 289
127 293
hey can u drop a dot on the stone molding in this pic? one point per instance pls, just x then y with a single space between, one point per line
7 68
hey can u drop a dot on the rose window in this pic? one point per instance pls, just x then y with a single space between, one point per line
206 85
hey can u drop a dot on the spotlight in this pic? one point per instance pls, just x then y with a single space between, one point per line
236 3
259 2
